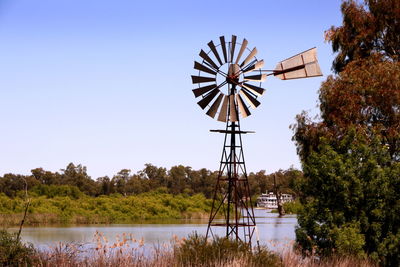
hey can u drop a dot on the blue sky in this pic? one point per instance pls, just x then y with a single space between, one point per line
106 84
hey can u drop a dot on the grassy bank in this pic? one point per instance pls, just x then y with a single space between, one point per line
82 209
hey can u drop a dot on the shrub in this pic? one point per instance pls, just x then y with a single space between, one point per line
349 241
197 251
293 207
14 253
52 191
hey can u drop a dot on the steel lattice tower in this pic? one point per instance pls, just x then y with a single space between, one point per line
231 199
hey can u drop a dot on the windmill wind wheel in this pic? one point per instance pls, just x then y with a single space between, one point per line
227 76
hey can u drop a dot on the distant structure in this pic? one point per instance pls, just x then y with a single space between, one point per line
229 78
269 200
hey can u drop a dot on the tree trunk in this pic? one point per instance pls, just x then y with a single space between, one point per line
281 210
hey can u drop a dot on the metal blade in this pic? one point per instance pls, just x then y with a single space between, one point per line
257 78
206 100
249 57
232 109
214 50
214 107
223 110
202 90
201 67
313 69
303 65
242 48
252 101
257 65
208 59
233 44
242 107
254 89
200 79
222 40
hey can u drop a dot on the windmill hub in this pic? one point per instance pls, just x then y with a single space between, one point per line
233 74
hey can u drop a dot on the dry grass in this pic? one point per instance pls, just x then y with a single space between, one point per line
291 258
14 219
124 251
127 251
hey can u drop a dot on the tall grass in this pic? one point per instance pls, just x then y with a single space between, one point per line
125 250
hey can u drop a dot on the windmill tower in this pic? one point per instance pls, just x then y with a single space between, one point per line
228 86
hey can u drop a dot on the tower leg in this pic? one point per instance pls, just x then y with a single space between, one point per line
232 208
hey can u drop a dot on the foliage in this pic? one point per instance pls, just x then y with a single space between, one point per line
14 253
355 182
349 240
370 28
47 209
73 181
52 191
197 251
293 207
351 157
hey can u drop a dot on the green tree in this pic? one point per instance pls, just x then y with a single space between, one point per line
203 181
120 180
259 183
177 179
351 156
77 176
105 185
46 177
157 176
10 183
137 184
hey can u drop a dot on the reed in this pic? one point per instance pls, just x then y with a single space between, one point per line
125 250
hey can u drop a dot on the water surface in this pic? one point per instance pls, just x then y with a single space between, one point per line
272 231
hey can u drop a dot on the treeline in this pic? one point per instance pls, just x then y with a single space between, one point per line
177 180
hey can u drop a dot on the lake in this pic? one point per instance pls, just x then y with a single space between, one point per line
274 232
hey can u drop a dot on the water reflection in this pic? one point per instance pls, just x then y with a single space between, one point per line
273 231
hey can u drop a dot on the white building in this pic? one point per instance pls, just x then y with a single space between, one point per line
269 201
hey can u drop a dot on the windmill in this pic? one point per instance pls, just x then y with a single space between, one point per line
229 83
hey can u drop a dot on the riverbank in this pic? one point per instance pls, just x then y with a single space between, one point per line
156 205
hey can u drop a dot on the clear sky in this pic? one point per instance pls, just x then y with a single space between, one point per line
106 84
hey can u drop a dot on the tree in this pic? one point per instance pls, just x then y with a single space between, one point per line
351 156
77 176
46 177
367 29
178 178
259 183
10 183
156 176
120 181
106 187
203 181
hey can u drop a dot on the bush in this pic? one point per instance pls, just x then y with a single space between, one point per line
348 240
102 209
14 253
52 191
293 207
197 251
